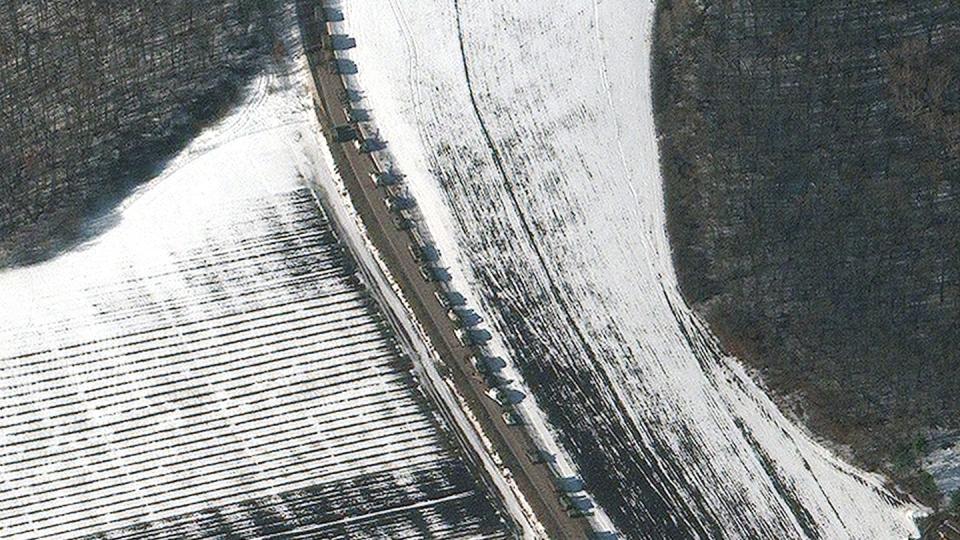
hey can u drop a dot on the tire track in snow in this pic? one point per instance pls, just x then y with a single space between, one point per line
558 297
539 209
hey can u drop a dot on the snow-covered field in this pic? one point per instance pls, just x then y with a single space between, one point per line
526 133
212 365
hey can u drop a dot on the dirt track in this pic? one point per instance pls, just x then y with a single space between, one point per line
511 442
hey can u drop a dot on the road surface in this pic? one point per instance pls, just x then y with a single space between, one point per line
536 481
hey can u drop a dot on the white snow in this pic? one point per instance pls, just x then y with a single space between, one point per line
416 344
571 233
206 349
944 464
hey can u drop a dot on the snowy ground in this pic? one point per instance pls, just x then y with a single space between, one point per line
944 464
210 364
526 133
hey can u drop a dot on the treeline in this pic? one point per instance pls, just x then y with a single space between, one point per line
95 94
811 155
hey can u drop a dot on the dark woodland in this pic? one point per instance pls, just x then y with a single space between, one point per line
95 94
811 154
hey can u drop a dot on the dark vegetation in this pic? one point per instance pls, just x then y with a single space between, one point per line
94 94
811 157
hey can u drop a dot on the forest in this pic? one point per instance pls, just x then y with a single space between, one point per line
811 160
95 95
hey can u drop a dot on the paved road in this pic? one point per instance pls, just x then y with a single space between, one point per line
511 442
